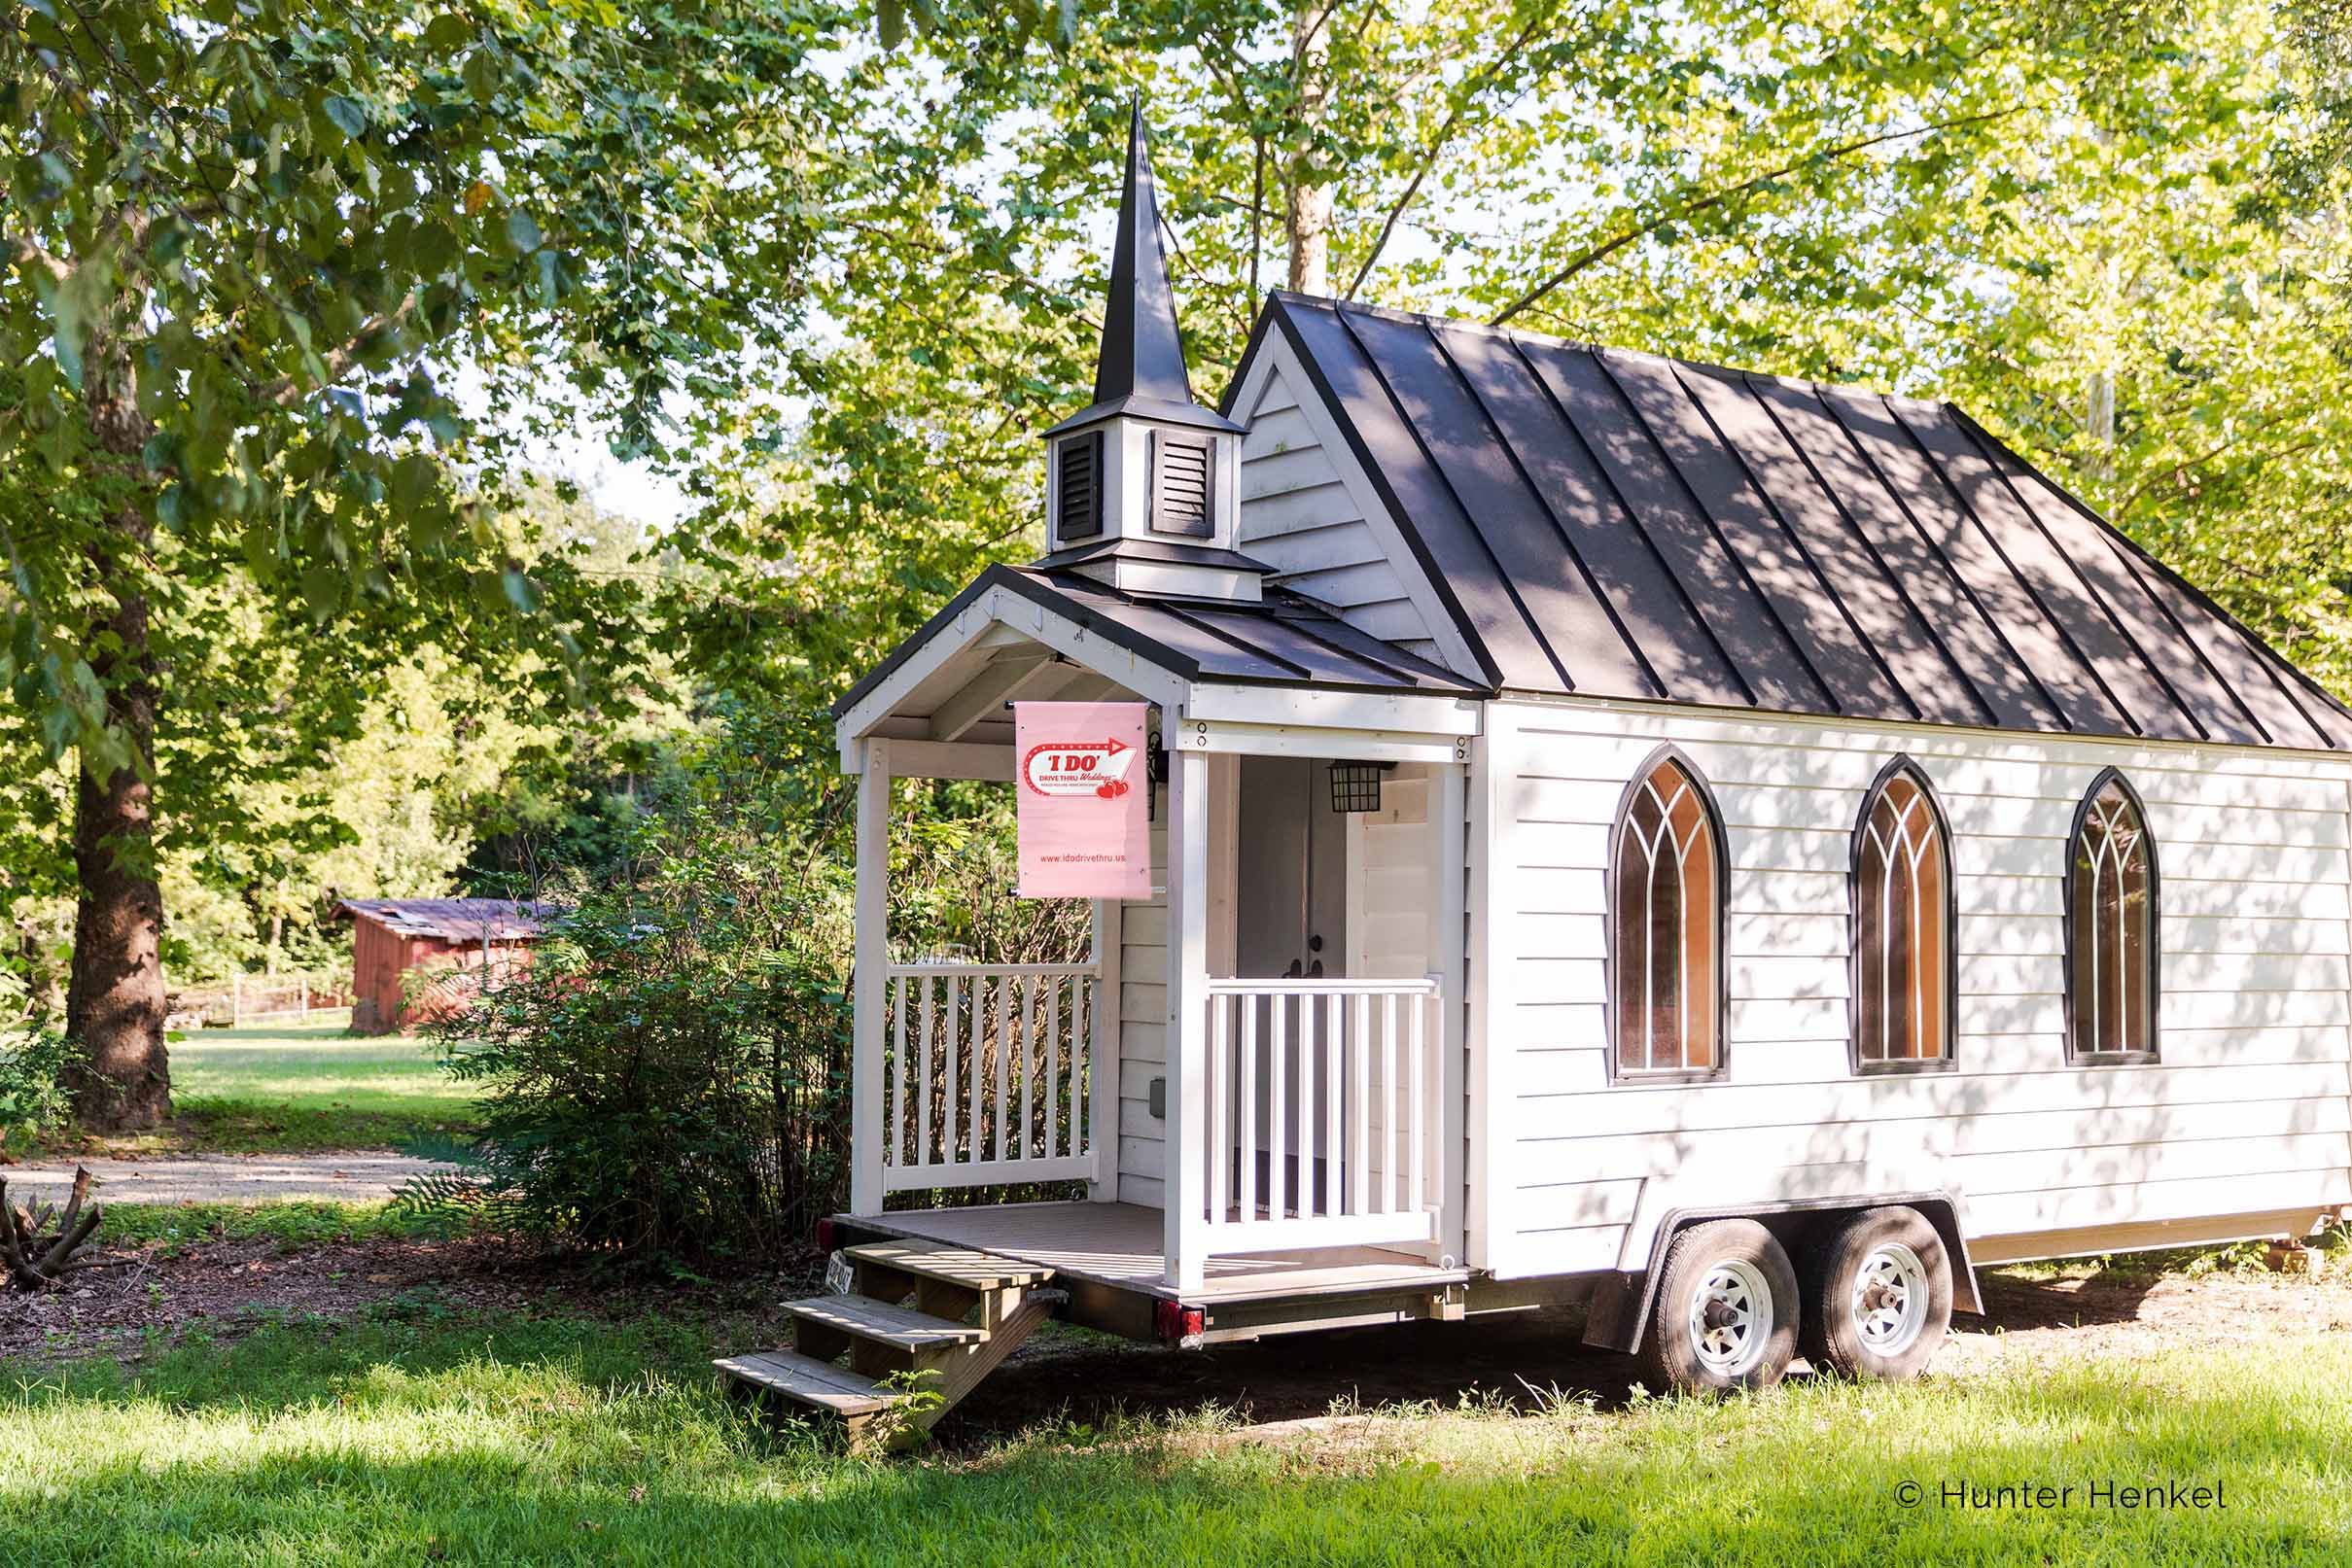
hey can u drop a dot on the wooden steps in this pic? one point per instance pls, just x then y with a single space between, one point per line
888 1369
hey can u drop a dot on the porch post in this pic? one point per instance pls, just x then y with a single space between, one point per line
870 1004
1183 1185
1449 943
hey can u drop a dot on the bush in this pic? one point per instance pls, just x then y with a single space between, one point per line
32 1083
668 1077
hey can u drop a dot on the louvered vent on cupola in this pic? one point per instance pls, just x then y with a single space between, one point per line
1183 484
1079 487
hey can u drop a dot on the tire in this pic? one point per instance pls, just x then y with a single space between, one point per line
1878 1295
1726 1311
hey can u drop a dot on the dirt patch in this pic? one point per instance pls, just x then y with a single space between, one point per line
349 1176
148 1298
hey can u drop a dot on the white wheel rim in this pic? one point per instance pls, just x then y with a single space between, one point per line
1731 1318
1890 1299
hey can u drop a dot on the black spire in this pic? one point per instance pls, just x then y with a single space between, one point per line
1143 352
1140 369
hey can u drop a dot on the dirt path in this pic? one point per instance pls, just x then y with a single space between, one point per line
211 1178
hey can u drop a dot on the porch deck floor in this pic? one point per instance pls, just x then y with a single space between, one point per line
1119 1244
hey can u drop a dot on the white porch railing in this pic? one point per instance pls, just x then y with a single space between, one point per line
1321 1101
990 1074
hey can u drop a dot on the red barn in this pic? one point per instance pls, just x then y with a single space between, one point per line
416 960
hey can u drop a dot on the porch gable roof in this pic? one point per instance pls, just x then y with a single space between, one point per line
1284 640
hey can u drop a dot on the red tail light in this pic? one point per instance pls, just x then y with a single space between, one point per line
1175 1322
828 1236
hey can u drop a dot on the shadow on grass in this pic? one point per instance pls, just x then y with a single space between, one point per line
555 1441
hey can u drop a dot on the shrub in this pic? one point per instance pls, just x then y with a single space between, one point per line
32 1082
667 1076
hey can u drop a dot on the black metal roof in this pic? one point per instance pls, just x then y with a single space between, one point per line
1618 524
1283 640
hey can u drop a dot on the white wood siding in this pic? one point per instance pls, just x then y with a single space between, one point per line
1301 515
1143 1027
2248 1110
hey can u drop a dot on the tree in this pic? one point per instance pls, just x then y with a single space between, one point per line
254 243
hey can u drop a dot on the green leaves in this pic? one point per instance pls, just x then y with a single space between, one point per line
349 115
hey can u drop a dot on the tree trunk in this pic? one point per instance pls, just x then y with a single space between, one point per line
1309 218
113 1002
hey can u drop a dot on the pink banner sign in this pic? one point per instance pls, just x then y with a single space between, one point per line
1082 792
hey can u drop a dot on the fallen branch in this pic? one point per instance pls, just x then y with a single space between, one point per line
36 1256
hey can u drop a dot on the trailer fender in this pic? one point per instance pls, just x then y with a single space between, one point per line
1622 1301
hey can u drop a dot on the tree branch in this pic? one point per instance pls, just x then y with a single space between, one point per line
1438 143
1719 197
289 389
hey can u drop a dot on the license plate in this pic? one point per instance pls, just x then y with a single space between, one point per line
839 1277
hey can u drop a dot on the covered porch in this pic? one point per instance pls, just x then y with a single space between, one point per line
1257 1073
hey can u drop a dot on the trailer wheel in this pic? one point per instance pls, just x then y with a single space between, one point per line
1878 1295
1726 1313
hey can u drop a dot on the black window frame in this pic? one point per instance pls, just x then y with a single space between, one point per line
1651 1077
2155 929
1901 763
1161 443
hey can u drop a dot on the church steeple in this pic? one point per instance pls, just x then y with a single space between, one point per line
1144 484
1142 352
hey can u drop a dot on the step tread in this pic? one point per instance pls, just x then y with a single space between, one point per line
958 1266
810 1382
867 1318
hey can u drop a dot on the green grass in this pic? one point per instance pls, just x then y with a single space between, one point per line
294 1224
420 1436
300 1088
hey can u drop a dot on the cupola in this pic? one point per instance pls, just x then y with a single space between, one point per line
1143 486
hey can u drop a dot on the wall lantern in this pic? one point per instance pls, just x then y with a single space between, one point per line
1355 785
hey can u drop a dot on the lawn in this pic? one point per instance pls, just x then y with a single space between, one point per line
418 1434
290 1088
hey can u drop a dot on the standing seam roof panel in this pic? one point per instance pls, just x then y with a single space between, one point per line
2202 698
1577 623
1654 621
1463 574
1761 654
2078 615
1775 561
1946 530
1865 595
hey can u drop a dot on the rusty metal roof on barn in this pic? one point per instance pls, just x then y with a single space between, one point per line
1622 525
456 919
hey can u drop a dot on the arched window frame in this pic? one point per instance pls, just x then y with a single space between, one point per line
1721 1001
1901 765
2156 927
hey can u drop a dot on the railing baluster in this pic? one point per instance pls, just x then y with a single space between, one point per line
1277 1175
1335 1101
1244 1110
1055 1136
1359 1073
1217 1085
1081 1059
951 1032
1388 1105
1308 1045
923 1083
1004 1043
1415 1118
1029 1058
975 1136
893 1148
